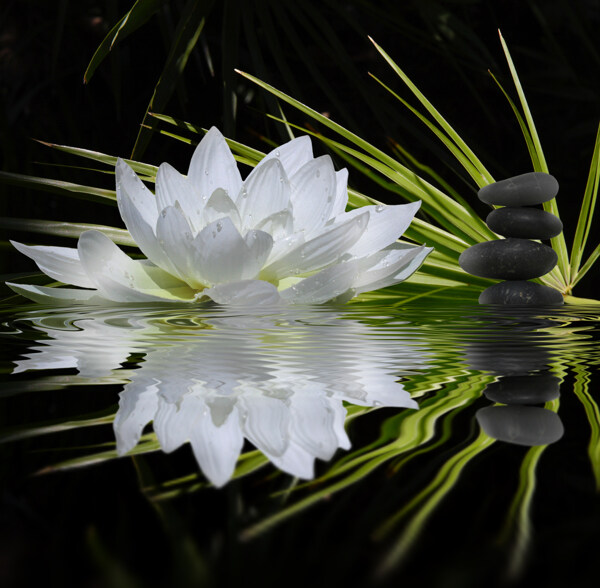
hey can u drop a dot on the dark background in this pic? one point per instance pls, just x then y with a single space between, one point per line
318 52
96 521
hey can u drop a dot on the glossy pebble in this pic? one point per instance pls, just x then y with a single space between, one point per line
521 293
508 259
524 190
531 389
524 222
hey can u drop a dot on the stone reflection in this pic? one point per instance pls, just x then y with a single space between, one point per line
536 388
279 381
515 349
521 425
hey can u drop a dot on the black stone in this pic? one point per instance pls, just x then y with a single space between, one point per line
508 259
521 293
532 389
524 190
523 222
521 425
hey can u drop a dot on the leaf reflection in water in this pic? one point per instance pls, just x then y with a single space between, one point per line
217 377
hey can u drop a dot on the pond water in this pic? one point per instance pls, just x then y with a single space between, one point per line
443 443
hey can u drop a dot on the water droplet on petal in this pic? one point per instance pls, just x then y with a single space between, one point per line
318 174
277 154
163 212
205 172
379 208
219 226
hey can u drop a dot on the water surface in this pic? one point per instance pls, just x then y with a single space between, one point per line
448 444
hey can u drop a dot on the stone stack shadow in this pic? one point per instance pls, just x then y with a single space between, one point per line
516 258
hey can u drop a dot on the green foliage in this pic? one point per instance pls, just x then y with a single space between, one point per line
447 221
186 36
452 213
139 14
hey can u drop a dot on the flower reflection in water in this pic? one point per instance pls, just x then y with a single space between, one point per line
277 379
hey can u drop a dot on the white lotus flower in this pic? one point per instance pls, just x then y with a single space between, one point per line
282 234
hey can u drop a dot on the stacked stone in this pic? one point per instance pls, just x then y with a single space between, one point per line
516 259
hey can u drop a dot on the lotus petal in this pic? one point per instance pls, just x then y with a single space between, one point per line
222 255
245 292
213 166
324 285
131 188
58 296
386 224
172 187
313 194
390 267
292 155
279 224
341 193
176 240
122 279
330 246
266 191
133 199
219 206
60 263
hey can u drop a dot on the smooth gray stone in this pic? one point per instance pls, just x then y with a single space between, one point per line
524 222
521 425
521 293
524 190
532 389
508 259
